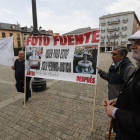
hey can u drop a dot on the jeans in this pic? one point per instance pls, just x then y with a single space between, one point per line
20 87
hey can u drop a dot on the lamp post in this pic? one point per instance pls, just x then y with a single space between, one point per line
38 84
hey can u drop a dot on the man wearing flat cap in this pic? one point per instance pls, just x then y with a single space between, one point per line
126 109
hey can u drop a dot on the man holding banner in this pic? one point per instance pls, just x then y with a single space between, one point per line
19 68
117 76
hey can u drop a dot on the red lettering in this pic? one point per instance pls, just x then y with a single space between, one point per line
28 40
40 40
79 39
48 40
85 79
34 40
55 39
32 73
28 73
70 39
87 36
95 35
63 40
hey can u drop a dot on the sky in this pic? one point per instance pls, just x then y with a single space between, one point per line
63 16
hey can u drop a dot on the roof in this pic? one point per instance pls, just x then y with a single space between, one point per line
80 30
119 14
7 26
26 30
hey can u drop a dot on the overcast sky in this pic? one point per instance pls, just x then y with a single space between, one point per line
63 16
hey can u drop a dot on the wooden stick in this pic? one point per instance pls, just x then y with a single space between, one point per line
110 127
24 92
13 87
94 107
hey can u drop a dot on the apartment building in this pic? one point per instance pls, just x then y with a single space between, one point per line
19 34
116 28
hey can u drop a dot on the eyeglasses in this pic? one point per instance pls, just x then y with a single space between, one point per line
114 54
136 42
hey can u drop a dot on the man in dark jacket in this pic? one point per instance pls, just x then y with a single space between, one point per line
118 73
19 68
127 106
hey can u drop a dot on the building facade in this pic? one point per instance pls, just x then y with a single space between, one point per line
116 28
19 33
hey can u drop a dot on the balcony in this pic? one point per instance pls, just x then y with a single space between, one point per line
124 27
103 23
18 38
123 42
102 30
102 43
125 20
123 35
112 36
114 22
102 36
112 43
113 29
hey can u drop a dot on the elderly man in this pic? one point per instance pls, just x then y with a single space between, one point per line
19 68
127 106
117 75
119 71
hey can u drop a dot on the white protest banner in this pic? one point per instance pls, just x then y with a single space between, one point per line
68 57
6 51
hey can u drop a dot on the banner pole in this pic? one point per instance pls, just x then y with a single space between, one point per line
24 92
13 87
94 108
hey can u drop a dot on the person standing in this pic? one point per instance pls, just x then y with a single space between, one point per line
127 107
19 68
118 73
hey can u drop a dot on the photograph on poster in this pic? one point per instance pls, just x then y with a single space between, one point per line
33 57
85 59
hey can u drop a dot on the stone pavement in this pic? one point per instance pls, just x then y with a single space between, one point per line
62 112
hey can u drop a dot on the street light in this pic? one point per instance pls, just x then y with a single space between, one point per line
38 84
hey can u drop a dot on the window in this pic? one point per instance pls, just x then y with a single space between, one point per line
3 35
11 34
18 36
24 36
19 45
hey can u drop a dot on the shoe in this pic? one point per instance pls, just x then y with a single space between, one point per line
112 133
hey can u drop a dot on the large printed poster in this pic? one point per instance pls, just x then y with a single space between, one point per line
68 57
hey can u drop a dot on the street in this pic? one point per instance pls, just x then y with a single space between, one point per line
62 112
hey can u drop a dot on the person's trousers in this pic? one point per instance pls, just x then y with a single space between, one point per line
20 88
116 129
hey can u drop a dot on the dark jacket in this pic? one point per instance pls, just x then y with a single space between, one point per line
20 70
116 77
128 114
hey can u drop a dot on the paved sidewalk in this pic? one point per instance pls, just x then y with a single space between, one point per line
62 112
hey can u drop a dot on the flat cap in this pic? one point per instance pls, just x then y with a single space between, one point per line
134 36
